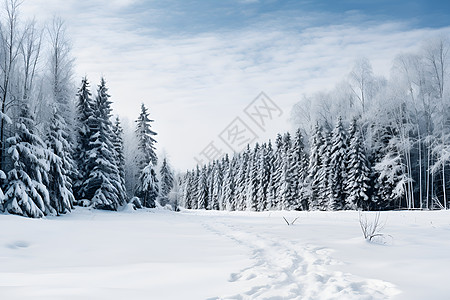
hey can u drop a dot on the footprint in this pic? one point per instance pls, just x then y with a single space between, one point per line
18 245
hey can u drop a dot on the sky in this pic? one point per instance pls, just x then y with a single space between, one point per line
199 66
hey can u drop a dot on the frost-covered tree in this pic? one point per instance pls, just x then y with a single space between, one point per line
60 165
146 145
167 181
85 125
148 187
252 181
26 192
202 189
358 172
315 161
338 167
117 141
103 183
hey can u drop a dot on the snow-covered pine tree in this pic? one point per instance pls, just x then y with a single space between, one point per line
103 185
202 189
146 148
252 181
263 176
286 191
117 140
167 181
357 183
85 118
148 187
298 170
229 186
217 186
241 180
26 192
60 160
146 142
324 176
315 162
277 170
225 164
186 191
338 167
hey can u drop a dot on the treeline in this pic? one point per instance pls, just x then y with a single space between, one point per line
335 175
59 148
372 143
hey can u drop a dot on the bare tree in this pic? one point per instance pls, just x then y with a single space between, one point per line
11 45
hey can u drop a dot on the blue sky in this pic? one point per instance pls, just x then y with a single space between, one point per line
197 64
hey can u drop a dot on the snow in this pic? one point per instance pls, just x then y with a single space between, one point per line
159 254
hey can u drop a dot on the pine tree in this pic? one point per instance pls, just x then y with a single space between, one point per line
252 181
146 142
148 187
299 170
26 192
117 142
338 168
357 183
217 186
59 185
103 184
167 181
229 186
315 162
146 150
263 176
202 189
85 113
325 172
241 180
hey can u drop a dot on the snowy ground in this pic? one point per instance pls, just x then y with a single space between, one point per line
157 254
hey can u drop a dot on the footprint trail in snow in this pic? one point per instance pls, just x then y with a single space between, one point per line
285 270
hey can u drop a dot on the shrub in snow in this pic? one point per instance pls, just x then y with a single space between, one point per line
371 228
135 202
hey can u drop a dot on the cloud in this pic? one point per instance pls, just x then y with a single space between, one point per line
196 83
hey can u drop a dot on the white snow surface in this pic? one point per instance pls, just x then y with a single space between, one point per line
159 254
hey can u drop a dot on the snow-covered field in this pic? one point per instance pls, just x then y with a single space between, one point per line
158 254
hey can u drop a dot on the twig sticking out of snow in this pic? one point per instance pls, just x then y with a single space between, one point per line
291 223
371 229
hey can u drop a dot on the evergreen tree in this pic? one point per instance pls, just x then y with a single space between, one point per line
315 162
338 168
217 187
59 184
117 142
298 171
229 186
167 181
241 180
252 181
357 184
148 187
146 150
85 113
103 184
26 192
325 172
202 189
263 176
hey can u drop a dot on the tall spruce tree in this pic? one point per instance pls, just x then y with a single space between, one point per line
103 184
85 120
357 183
338 168
167 181
146 156
117 141
26 191
61 164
